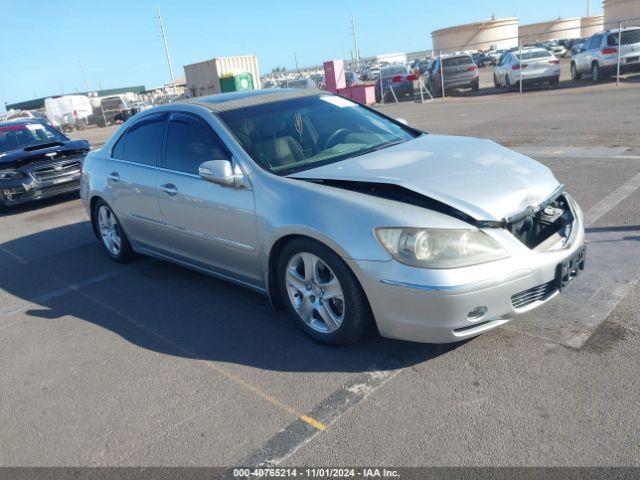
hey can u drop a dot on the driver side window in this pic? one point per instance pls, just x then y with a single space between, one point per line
190 142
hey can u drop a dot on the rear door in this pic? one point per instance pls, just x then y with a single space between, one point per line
207 225
132 172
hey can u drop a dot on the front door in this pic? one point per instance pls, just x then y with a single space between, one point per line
132 172
207 225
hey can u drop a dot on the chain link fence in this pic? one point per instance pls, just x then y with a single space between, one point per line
546 59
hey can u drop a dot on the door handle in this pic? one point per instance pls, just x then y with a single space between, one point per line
114 177
169 189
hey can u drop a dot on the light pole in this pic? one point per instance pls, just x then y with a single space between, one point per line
166 50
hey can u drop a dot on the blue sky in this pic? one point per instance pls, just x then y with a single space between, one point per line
49 45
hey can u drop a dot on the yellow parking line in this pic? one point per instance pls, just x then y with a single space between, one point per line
234 378
313 422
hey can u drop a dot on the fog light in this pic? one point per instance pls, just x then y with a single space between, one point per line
477 313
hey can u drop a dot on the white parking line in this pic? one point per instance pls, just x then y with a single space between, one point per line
610 201
612 153
66 289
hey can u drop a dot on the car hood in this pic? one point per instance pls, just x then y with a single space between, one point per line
478 177
23 156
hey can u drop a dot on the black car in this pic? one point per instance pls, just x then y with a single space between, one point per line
37 161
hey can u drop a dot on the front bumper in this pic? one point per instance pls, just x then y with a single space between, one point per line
433 306
42 180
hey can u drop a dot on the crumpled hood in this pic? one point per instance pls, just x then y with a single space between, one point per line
478 177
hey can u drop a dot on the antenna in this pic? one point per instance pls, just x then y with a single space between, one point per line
166 49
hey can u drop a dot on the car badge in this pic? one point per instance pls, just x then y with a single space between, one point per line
51 154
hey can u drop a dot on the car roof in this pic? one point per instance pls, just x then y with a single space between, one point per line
222 102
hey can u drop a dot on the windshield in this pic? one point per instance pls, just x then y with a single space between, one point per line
302 133
21 135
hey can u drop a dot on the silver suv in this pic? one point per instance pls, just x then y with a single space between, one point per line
599 54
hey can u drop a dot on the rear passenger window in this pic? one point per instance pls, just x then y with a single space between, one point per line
190 142
142 142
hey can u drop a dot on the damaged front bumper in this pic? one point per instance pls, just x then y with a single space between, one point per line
449 305
41 180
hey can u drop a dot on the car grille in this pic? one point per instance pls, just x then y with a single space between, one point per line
51 172
539 293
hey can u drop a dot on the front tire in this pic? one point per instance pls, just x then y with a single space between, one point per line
111 235
321 293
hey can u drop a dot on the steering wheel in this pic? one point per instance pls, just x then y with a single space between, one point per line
329 142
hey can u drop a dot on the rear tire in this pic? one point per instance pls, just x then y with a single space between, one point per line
507 83
475 86
112 237
575 75
321 293
495 81
555 81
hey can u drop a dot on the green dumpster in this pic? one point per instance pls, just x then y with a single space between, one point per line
236 82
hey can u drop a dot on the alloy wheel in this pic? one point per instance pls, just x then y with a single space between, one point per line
109 230
315 292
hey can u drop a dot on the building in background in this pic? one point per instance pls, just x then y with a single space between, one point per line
38 103
203 78
617 10
558 29
591 25
496 34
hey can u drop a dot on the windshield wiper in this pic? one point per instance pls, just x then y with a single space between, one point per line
377 147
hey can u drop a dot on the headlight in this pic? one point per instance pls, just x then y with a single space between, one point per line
10 174
439 248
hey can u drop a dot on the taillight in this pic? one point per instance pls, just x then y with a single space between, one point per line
554 62
412 77
396 79
472 69
608 51
517 67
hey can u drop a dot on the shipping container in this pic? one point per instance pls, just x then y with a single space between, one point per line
203 78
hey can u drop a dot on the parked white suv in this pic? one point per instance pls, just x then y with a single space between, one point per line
599 54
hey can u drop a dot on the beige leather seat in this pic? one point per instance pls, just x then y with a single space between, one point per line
277 150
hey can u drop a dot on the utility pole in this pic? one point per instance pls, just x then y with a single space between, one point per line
166 50
355 41
295 59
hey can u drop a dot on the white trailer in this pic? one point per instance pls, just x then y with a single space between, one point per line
68 110
203 78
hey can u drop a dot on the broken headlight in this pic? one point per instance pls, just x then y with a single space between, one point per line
439 248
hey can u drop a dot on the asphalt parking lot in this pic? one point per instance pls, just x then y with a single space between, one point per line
150 364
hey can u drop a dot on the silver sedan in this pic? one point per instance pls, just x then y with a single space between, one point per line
347 218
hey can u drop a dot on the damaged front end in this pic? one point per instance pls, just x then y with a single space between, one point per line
42 173
544 226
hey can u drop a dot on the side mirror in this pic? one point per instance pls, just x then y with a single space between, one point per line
218 171
402 121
